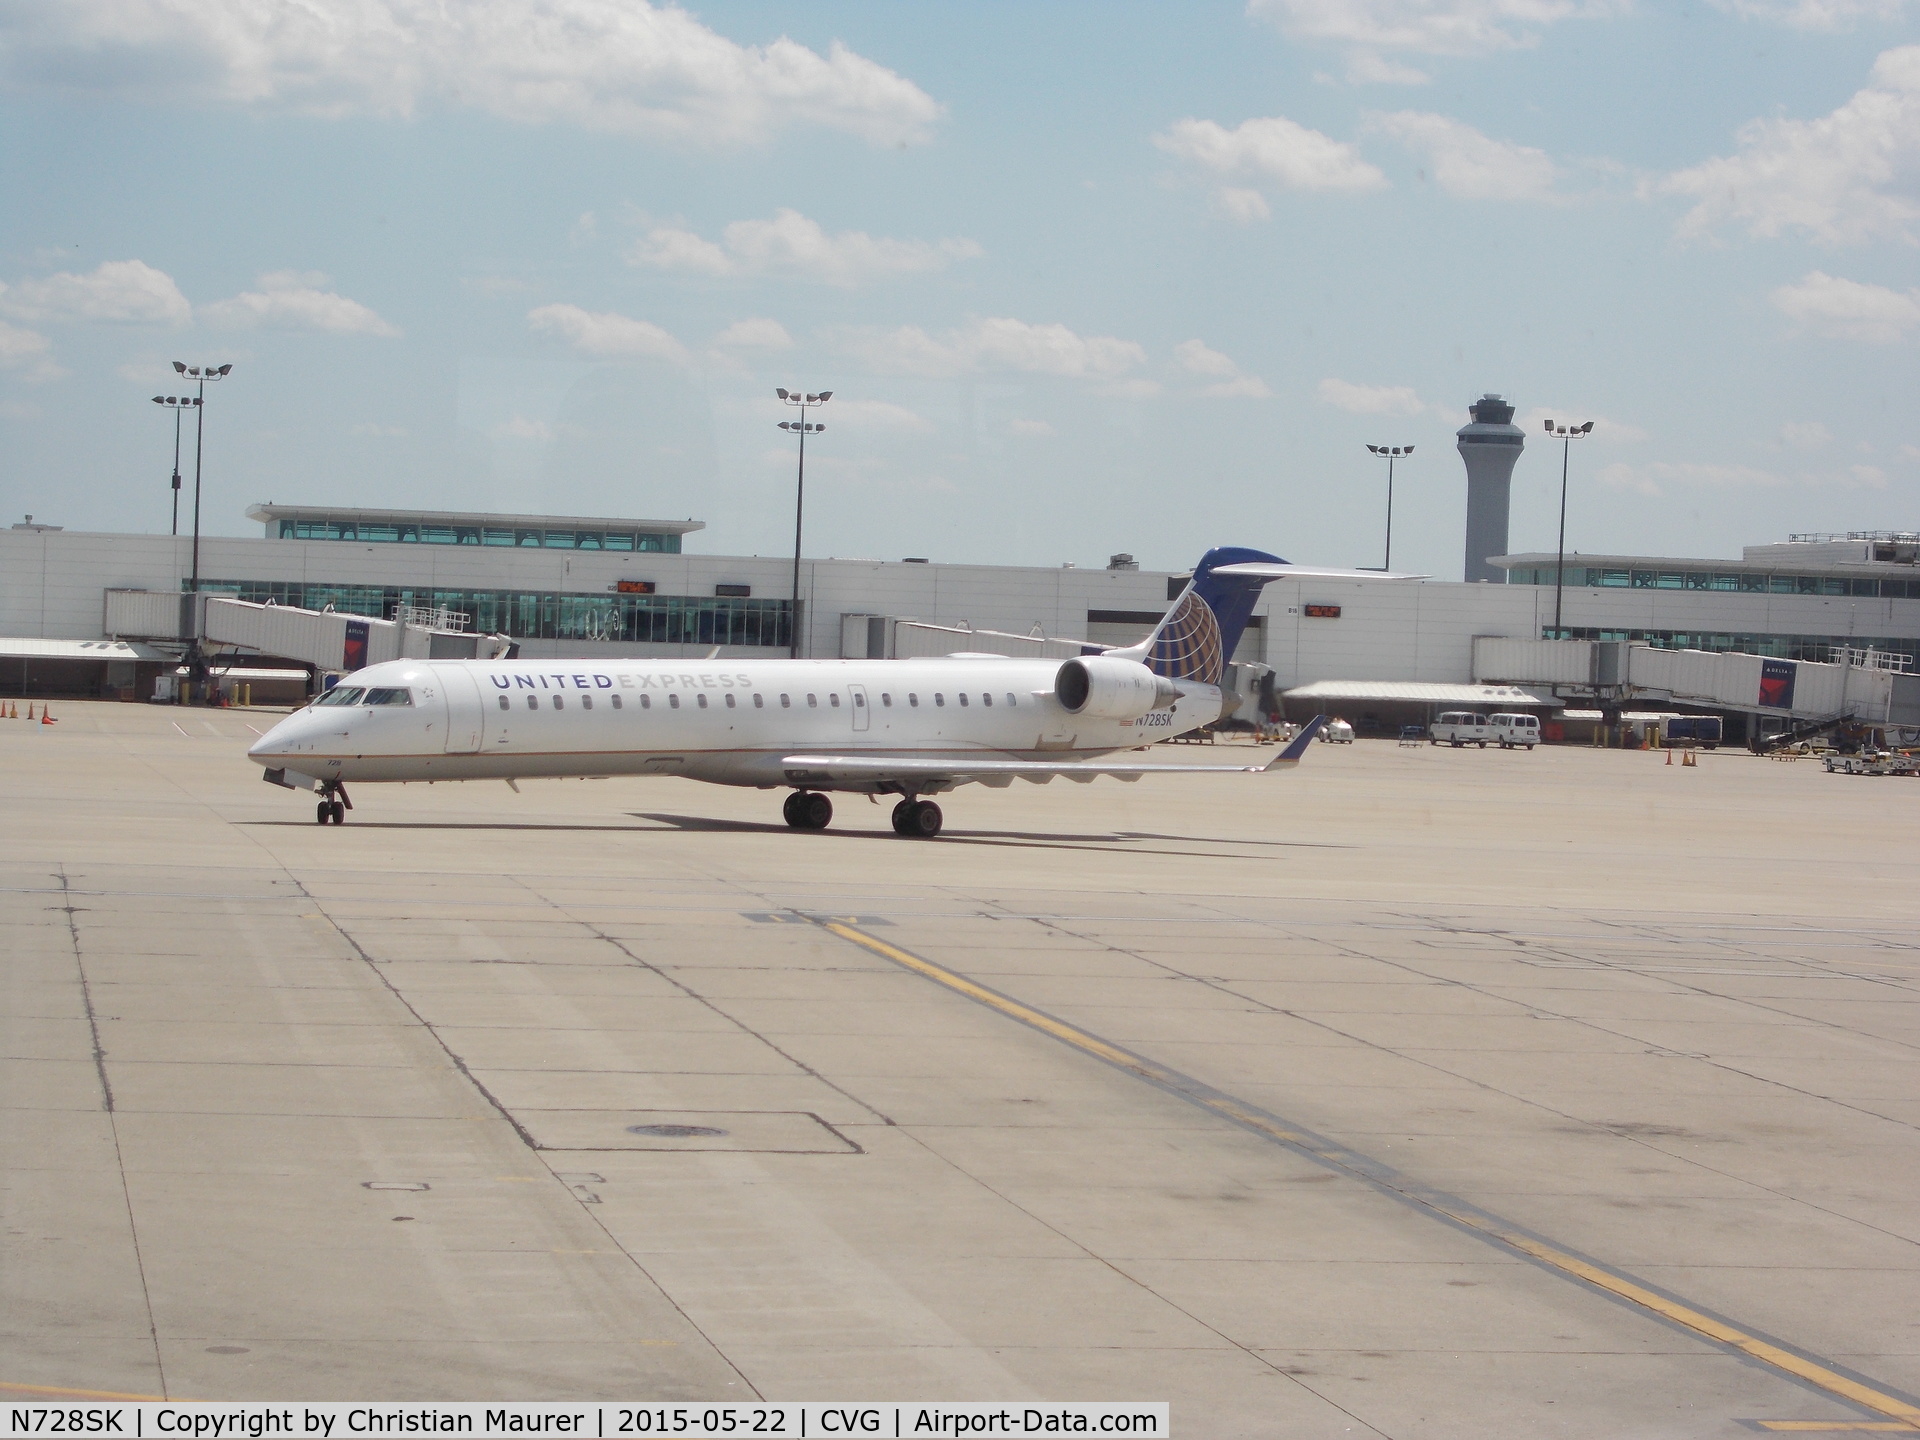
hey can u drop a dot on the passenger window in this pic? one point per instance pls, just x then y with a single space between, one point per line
673 702
586 702
963 699
533 702
559 702
701 700
912 699
616 702
646 702
986 697
1010 699
886 699
730 702
813 702
758 703
938 698
859 700
786 702
834 699
389 695
503 702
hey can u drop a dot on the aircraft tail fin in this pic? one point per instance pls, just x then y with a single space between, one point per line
1196 637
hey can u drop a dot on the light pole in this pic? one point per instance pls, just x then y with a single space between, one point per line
201 373
1566 435
802 428
1393 453
176 403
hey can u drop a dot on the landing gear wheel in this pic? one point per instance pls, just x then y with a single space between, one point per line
339 812
323 812
807 810
917 819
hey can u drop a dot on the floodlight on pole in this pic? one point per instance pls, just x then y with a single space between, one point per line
1566 435
803 428
176 403
200 374
1391 453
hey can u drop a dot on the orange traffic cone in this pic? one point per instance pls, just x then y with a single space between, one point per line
29 710
1669 757
46 715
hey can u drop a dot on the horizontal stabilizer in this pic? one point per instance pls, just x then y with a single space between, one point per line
1256 570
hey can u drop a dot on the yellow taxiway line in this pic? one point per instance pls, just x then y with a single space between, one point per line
1491 1227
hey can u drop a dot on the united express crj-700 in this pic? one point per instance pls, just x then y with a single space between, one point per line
910 728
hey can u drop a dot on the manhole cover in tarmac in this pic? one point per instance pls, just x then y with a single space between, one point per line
674 1132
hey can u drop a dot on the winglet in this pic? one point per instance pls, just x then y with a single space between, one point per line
1290 756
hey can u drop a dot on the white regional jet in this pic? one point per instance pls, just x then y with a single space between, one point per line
910 728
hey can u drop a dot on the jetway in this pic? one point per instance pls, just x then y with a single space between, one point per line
1864 685
327 640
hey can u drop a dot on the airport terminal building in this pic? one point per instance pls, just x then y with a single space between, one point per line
607 586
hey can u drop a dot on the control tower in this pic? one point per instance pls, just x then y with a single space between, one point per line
1490 446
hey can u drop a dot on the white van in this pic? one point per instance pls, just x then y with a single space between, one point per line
1459 727
1514 729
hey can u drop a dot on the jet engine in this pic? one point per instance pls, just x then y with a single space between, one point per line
1103 688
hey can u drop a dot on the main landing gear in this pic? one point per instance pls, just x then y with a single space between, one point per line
333 806
808 810
917 819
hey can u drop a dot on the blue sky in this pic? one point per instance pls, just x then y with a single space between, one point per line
1082 279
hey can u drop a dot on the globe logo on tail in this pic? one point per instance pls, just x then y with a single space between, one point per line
1187 644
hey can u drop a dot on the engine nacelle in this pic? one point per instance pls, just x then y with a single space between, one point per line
1103 688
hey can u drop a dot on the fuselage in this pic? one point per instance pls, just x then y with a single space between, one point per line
731 722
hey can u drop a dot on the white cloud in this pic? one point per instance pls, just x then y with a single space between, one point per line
1819 15
130 291
1271 148
878 415
1848 309
1604 431
791 244
1370 399
293 300
1467 164
25 351
1240 204
1805 435
1654 477
995 344
605 335
617 65
521 428
1197 358
1430 27
755 334
1846 178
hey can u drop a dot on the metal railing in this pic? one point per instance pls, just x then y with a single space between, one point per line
430 617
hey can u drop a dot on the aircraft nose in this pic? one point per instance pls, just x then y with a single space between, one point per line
275 742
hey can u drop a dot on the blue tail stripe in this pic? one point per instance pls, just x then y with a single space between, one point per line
1231 598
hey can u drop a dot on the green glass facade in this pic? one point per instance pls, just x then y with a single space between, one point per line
545 615
429 532
1818 648
1741 581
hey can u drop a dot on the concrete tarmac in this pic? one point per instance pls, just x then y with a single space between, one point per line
573 1094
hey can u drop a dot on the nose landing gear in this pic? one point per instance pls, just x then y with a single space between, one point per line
333 806
808 810
917 819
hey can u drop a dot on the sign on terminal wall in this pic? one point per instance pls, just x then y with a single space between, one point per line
1776 684
1322 612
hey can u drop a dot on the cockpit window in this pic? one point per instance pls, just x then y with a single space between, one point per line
342 695
389 695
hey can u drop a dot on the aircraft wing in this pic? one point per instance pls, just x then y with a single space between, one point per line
958 770
1257 570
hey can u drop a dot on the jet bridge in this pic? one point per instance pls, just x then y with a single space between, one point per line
1865 685
325 640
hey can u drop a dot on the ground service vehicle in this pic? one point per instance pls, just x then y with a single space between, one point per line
1512 729
1459 727
1701 730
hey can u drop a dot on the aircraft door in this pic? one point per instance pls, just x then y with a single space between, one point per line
862 714
463 709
